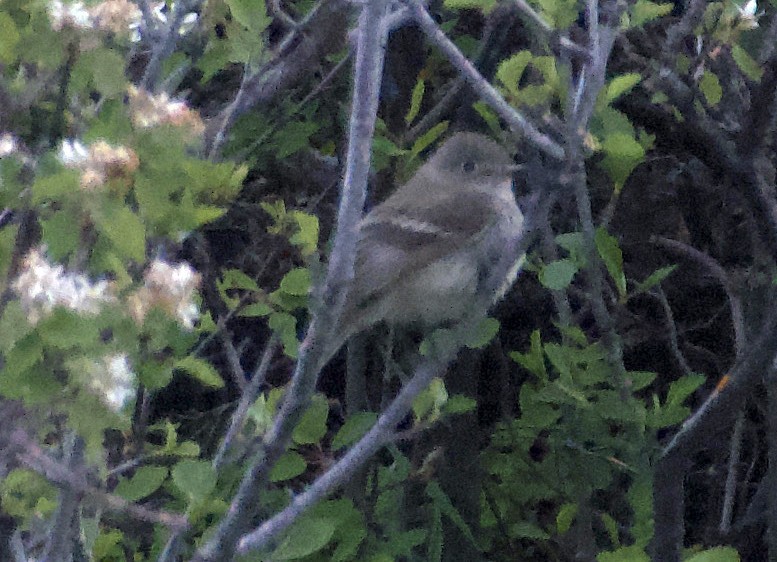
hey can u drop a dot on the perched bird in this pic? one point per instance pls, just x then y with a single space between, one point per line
441 248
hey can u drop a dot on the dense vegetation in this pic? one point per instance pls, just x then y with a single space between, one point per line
180 185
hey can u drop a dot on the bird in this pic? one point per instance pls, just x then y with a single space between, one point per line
440 244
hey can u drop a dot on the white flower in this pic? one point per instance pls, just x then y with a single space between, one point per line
73 15
8 145
113 379
42 287
72 153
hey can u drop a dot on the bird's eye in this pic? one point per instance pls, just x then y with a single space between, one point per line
468 166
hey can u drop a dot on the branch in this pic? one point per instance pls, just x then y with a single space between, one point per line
486 91
32 456
368 71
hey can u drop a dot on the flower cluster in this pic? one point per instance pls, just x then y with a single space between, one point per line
8 145
148 110
170 288
99 163
116 16
42 287
69 15
112 379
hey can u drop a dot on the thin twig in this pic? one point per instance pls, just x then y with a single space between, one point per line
485 91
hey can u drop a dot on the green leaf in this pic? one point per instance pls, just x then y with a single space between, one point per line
459 404
415 101
565 517
640 379
644 11
306 536
252 14
293 137
312 427
488 115
655 278
716 554
55 186
711 88
61 235
195 478
611 254
683 387
510 71
526 530
483 333
306 237
621 84
558 275
624 554
145 481
285 326
9 37
428 138
289 465
746 64
296 282
354 428
103 69
124 229
64 329
622 153
534 360
484 6
200 370
441 500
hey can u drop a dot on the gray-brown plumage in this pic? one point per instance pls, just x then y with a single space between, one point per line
438 241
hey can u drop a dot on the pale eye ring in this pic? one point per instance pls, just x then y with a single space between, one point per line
468 166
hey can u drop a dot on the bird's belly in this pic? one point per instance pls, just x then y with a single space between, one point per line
440 292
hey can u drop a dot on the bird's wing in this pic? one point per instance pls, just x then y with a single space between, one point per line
397 241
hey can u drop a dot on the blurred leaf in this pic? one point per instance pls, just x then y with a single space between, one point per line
289 465
145 481
716 554
640 379
61 235
251 14
488 115
296 282
354 428
611 254
200 370
624 554
124 229
428 138
558 275
415 101
621 84
306 237
655 278
459 404
565 517
483 333
9 37
746 64
711 88
312 427
101 68
511 70
64 329
293 137
622 153
306 536
534 360
195 478
285 326
644 11
484 6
